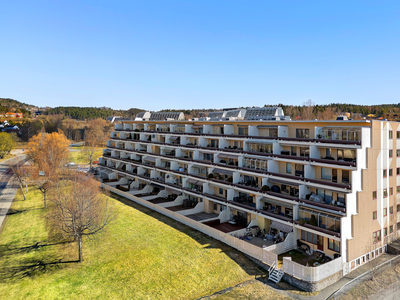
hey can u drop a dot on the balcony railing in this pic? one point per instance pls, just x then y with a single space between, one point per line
306 140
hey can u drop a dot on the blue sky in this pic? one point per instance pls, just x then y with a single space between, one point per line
199 54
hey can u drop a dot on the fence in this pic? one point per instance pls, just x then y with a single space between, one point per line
311 274
285 246
266 255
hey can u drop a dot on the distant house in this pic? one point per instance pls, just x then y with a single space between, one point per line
10 115
19 115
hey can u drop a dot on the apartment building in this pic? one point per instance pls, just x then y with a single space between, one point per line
329 188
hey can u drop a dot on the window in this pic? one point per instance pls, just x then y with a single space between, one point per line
390 134
390 153
374 214
334 245
302 133
391 191
215 206
398 207
289 168
345 176
390 172
397 152
376 236
397 171
398 134
384 173
391 210
374 195
326 173
385 194
398 226
398 189
221 191
309 237
390 229
385 212
385 231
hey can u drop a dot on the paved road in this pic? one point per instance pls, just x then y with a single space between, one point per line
8 188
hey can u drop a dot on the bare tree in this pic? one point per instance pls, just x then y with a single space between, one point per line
79 209
21 173
91 141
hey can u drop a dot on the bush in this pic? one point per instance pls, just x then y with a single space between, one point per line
210 176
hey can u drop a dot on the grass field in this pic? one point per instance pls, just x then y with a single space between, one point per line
79 158
141 255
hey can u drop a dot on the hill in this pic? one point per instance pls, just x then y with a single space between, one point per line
86 113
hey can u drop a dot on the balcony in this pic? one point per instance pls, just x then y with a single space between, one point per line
320 221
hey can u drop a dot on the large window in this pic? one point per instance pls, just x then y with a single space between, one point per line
326 173
309 237
345 176
302 133
289 168
334 245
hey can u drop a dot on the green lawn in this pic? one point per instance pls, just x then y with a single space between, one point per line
79 158
141 255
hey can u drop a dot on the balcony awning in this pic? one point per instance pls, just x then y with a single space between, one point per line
190 180
223 171
228 155
174 137
149 158
267 126
197 126
282 182
168 149
156 185
106 171
281 226
260 141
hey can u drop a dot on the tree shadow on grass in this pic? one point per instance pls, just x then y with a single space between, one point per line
8 249
12 211
208 242
32 267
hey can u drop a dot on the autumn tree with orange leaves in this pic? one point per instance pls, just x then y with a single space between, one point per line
49 153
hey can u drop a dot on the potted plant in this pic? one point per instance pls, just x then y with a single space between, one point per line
313 220
210 176
265 188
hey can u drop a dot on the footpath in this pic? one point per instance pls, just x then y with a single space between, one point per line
8 186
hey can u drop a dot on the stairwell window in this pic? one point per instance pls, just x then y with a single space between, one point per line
384 173
385 212
374 195
391 210
398 134
376 236
390 134
390 229
374 215
385 193
390 153
391 191
385 231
